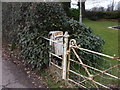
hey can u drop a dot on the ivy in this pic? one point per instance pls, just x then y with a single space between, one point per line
38 19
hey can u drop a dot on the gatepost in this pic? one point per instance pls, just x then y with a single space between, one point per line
64 63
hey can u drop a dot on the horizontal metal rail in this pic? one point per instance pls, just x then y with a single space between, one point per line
56 55
103 72
56 65
88 78
101 54
76 83
52 40
58 36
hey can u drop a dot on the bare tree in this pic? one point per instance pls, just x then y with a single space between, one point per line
109 7
112 7
94 9
101 9
118 5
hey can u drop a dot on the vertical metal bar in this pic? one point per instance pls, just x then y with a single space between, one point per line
81 62
1 46
64 63
80 17
68 67
50 56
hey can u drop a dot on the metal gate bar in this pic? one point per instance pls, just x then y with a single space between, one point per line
73 46
67 48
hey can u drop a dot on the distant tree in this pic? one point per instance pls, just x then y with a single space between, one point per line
98 9
118 5
101 9
94 9
111 6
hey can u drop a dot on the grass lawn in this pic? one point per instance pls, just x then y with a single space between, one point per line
111 42
110 36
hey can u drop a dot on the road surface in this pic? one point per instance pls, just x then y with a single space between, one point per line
14 77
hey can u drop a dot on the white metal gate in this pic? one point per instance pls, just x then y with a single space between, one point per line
86 68
66 64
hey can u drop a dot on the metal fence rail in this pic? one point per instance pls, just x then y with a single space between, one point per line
101 54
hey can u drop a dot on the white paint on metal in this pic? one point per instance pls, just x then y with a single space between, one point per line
80 17
56 65
64 63
57 36
101 54
73 45
56 56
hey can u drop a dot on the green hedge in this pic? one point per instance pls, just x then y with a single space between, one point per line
112 15
38 19
95 15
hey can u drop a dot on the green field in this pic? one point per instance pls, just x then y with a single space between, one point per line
109 35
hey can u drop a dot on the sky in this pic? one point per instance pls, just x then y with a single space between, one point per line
95 3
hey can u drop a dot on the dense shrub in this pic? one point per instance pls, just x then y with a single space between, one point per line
37 19
10 15
66 7
74 14
86 39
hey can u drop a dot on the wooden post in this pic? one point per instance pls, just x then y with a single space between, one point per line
64 63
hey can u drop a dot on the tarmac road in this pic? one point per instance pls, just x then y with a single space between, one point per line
14 77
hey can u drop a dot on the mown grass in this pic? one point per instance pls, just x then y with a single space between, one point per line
110 47
109 35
